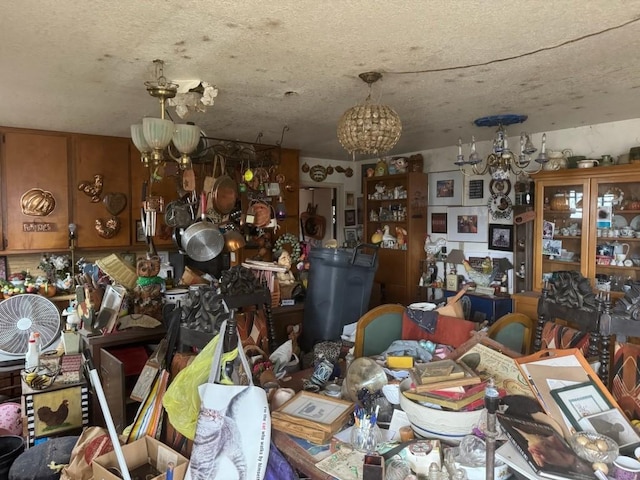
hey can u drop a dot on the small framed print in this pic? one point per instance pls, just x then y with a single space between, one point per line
445 188
438 223
476 191
501 237
350 200
349 218
140 235
548 229
467 224
351 235
580 400
551 247
613 424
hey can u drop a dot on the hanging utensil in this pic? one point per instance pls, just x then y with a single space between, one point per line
225 192
202 240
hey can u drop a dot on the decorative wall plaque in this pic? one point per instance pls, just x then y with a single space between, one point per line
36 202
92 188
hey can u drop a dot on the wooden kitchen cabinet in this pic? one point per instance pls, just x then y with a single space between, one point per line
34 160
109 157
589 210
398 202
166 187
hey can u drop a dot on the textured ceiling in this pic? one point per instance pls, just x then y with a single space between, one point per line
81 66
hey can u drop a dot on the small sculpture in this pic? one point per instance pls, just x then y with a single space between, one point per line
388 240
400 234
285 278
401 164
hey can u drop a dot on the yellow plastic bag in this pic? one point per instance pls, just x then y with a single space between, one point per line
181 400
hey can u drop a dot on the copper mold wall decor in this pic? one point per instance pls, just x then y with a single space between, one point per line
107 228
115 202
36 202
92 188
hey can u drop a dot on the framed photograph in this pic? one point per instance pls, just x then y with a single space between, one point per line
445 188
613 424
476 190
3 267
350 200
467 224
312 416
580 400
501 237
438 223
349 217
140 236
551 247
351 235
548 229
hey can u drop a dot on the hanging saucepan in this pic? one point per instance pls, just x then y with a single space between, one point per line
233 239
202 241
177 239
224 192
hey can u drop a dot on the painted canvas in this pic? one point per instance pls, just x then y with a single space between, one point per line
57 411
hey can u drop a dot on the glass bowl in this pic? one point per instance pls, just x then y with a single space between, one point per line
594 447
39 378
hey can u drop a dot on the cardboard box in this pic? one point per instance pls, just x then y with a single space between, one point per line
142 451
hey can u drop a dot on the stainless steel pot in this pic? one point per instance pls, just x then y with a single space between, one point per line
202 241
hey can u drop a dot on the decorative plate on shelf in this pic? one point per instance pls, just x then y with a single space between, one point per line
500 206
618 221
635 223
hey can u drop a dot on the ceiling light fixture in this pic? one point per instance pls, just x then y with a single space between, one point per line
153 135
502 161
369 128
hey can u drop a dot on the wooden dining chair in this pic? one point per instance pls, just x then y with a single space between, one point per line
515 331
376 329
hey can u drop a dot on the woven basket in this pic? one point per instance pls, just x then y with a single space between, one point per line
119 270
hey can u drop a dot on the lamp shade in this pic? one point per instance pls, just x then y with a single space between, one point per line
157 132
137 136
369 129
186 138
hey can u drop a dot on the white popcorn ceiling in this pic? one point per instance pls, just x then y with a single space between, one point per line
80 66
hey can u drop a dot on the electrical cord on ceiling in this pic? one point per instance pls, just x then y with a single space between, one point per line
522 55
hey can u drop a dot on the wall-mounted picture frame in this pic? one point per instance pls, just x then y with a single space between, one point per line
467 224
350 234
445 188
140 235
476 190
438 223
349 218
500 237
350 200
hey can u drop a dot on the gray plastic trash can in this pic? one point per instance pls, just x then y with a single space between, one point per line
338 291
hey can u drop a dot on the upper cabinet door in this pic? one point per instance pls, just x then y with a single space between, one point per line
101 186
35 166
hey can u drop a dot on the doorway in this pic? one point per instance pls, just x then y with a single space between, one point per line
325 200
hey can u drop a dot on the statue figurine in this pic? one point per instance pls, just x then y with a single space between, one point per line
147 294
285 278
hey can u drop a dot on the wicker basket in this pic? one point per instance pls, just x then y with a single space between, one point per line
119 270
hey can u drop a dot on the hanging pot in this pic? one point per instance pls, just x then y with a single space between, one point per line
177 239
202 241
224 192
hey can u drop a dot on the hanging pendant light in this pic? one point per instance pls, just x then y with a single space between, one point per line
369 128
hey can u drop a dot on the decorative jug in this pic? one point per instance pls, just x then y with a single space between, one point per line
620 248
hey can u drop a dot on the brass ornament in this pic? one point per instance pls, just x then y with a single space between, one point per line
92 188
318 173
36 202
107 228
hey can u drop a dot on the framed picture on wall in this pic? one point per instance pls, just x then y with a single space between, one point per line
476 190
438 223
349 218
501 237
467 224
349 200
445 188
351 235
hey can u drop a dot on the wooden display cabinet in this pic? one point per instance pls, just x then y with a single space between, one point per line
399 202
588 210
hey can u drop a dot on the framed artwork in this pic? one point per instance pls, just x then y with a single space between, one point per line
580 400
314 408
476 190
351 235
3 267
350 200
445 188
56 411
551 247
467 224
611 423
548 229
349 218
500 237
438 223
140 236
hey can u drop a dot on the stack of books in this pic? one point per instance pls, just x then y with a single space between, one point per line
451 385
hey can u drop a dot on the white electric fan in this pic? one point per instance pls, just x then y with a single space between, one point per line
22 314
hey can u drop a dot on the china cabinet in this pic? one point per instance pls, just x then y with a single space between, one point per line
395 208
588 220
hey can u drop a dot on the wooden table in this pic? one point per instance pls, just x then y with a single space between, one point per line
298 457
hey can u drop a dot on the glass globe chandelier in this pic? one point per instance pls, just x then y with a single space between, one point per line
369 128
502 161
153 135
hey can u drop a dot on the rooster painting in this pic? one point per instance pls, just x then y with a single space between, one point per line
54 418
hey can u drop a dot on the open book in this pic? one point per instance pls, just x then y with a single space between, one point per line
544 449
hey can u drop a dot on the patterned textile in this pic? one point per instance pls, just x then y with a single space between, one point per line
563 337
625 384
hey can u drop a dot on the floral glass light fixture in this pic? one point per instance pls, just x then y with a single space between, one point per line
369 128
153 135
502 161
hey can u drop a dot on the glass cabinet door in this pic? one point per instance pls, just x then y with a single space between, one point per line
561 236
616 256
